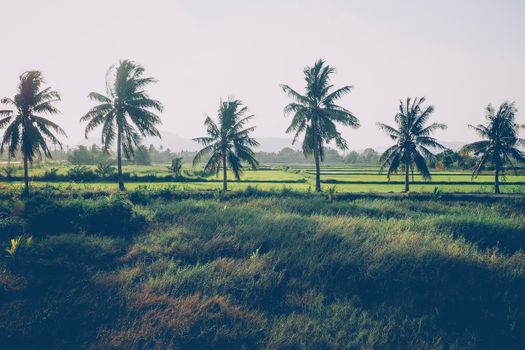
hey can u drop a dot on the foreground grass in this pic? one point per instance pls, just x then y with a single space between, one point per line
281 272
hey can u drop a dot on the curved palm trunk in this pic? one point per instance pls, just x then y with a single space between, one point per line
317 172
496 181
119 162
26 176
224 173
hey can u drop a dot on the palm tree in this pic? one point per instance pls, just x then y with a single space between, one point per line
413 140
228 143
127 111
28 130
316 114
501 141
176 167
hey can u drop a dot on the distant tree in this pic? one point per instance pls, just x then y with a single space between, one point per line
316 114
176 166
370 155
127 113
412 138
352 157
27 130
80 155
501 141
141 156
228 142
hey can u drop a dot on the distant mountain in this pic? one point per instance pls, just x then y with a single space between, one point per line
275 144
453 145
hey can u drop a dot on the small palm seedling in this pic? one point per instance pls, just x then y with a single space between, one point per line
332 194
8 172
105 169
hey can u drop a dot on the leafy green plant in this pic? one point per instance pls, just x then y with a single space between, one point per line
28 131
175 167
105 169
79 173
228 143
332 194
8 172
18 244
51 174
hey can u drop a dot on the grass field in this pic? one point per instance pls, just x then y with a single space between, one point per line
365 179
136 271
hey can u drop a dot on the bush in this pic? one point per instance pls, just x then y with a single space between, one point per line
113 215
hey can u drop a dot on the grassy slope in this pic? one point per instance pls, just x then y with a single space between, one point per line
275 273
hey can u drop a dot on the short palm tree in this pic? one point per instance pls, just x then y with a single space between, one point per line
316 114
127 112
501 141
228 143
176 167
27 128
413 140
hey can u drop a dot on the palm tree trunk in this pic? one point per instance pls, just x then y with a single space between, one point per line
26 176
496 181
317 171
119 161
407 177
224 173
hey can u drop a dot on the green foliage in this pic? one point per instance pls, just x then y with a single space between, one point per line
8 172
413 140
79 173
176 166
105 169
316 114
127 113
16 245
27 131
332 194
501 142
228 143
267 271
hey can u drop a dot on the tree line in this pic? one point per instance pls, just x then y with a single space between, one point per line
126 114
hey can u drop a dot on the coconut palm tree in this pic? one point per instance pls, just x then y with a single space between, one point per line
27 128
501 141
228 143
413 140
127 112
176 167
316 114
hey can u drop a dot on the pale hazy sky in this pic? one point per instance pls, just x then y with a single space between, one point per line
461 55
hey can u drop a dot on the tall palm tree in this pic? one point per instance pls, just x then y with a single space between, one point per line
413 140
28 130
316 114
127 111
228 142
501 141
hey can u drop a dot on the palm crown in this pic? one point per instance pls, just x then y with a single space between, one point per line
501 141
316 113
127 112
228 143
413 139
27 128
